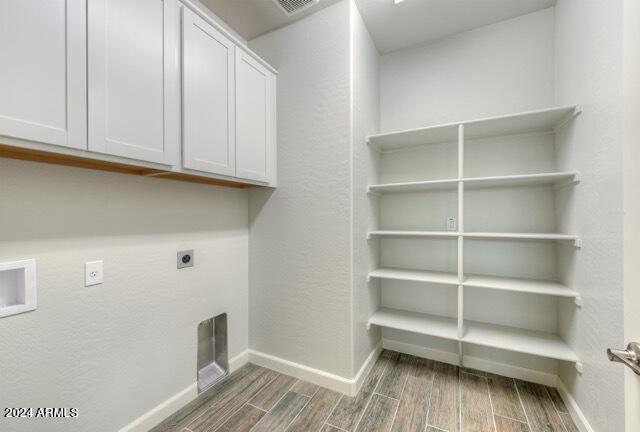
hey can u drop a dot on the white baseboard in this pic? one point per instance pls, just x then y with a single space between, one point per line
319 377
574 410
154 416
538 377
420 351
473 362
300 371
366 368
238 361
160 412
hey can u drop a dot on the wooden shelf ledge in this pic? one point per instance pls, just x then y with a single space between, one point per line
10 152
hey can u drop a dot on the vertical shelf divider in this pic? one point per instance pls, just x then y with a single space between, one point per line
460 241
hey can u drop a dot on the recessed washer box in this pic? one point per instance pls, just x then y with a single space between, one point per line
17 287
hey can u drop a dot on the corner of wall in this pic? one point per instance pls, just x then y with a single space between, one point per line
364 121
574 410
589 72
300 234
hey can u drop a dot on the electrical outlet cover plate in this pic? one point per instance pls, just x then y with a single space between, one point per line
185 258
93 273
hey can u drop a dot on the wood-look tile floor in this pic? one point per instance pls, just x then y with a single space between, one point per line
402 393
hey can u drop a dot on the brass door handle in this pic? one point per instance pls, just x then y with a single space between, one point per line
629 357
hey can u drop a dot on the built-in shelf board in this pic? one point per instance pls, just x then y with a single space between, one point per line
415 276
413 322
503 283
476 235
533 286
529 121
532 342
415 186
521 236
415 137
412 234
556 178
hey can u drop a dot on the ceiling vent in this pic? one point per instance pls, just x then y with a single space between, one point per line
292 7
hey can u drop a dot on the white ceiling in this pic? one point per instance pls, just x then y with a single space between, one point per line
392 26
396 26
252 18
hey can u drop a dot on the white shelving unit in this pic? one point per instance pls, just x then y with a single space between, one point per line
460 329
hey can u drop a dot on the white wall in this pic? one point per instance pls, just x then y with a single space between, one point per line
500 68
631 203
589 71
365 119
116 350
300 234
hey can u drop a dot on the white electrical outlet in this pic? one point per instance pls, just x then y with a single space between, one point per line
451 223
93 273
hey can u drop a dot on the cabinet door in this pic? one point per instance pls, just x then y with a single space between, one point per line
208 100
255 120
43 72
133 88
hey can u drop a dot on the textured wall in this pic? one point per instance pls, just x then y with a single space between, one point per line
365 114
589 72
631 202
300 234
500 68
115 350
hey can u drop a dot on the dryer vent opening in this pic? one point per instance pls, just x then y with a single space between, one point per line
213 355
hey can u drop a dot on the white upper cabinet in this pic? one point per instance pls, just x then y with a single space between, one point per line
43 72
208 97
132 70
136 82
255 120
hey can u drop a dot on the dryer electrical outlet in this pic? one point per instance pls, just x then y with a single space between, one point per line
185 258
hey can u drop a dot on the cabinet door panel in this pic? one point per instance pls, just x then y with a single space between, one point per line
132 79
255 87
208 100
43 72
